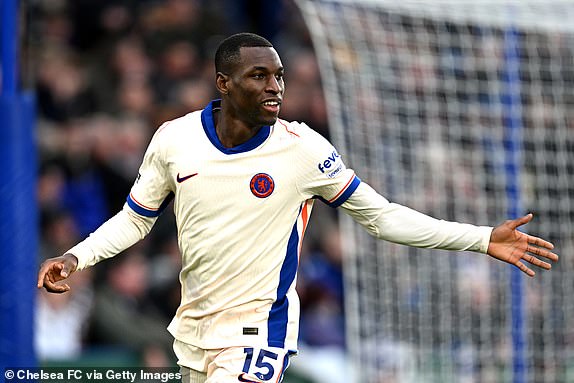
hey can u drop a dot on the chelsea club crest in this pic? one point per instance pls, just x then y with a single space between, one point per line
262 185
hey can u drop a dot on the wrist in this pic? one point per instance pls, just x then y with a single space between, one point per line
72 259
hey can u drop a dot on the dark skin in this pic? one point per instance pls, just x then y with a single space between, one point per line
251 98
255 80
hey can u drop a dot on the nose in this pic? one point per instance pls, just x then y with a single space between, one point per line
274 85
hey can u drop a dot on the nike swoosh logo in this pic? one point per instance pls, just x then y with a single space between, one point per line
181 179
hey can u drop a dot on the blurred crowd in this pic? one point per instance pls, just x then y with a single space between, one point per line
106 75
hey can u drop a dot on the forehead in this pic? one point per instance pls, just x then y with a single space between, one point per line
266 57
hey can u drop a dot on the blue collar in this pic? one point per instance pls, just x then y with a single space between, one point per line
209 128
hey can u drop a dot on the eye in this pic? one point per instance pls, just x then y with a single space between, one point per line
258 76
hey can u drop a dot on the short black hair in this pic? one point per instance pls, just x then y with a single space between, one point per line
228 52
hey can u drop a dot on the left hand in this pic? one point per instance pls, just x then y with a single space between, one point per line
512 246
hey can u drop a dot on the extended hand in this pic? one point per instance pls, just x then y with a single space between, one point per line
510 245
54 270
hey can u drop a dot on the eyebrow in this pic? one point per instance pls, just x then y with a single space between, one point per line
264 68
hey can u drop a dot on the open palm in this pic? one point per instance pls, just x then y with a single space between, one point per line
510 245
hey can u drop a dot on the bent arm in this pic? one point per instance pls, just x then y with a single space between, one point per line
400 224
114 236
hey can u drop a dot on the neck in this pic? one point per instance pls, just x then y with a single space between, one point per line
232 131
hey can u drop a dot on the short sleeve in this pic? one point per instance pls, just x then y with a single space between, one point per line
325 174
151 192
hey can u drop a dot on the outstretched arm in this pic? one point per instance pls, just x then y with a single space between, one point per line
399 224
114 236
510 245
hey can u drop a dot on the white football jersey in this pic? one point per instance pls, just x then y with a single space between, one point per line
241 215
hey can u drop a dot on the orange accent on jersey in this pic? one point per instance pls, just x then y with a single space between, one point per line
305 218
141 204
287 129
286 356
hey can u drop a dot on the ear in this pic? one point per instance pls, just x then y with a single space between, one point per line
222 82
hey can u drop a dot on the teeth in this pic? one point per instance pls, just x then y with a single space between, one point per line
271 103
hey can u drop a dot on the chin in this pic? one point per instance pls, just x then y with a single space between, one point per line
268 121
262 118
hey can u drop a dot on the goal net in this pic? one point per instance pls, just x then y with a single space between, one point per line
462 110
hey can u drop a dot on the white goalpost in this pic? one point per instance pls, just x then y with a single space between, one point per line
462 110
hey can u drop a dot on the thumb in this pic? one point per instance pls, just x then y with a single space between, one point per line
66 269
522 220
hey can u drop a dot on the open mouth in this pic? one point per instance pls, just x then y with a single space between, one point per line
272 106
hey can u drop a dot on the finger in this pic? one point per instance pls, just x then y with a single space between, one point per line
65 272
537 262
58 289
542 253
525 269
550 255
540 242
52 277
42 274
52 287
56 274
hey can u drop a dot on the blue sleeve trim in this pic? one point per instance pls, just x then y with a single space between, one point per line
148 212
346 194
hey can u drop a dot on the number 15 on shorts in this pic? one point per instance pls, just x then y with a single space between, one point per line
263 365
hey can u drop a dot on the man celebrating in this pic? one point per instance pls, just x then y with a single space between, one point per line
243 183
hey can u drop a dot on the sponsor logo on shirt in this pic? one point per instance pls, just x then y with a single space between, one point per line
262 185
332 165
